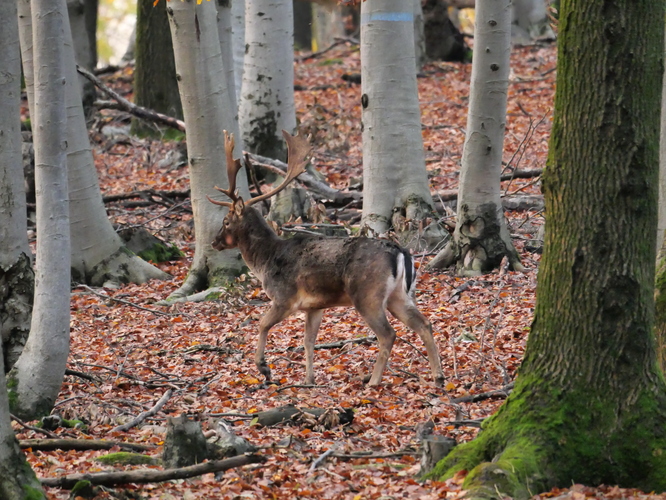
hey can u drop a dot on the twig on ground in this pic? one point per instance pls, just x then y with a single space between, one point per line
32 428
142 416
473 398
323 457
298 386
81 444
121 301
150 475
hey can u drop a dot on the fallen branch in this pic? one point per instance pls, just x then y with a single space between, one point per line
151 475
336 345
143 416
323 457
473 398
33 428
125 302
370 455
132 108
80 444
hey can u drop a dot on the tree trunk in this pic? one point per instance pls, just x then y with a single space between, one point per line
267 94
530 22
35 380
17 479
155 85
208 111
481 239
660 283
83 53
327 24
238 35
98 253
17 278
589 404
225 34
90 9
443 40
395 183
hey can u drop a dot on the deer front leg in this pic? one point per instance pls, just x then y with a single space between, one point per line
312 322
274 315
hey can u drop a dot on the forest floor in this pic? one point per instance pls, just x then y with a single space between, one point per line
131 351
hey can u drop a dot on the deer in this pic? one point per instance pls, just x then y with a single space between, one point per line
310 273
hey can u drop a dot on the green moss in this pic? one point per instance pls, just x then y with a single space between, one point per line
330 62
80 486
32 493
161 253
74 424
12 384
125 458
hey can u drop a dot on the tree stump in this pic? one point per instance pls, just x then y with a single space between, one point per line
433 449
185 443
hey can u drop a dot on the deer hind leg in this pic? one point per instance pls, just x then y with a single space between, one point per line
372 312
402 307
274 315
312 322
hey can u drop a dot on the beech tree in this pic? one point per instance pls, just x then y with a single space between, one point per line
35 380
155 85
589 403
481 238
16 274
266 104
98 253
396 194
208 111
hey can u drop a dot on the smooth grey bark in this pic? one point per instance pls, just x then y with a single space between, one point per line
481 238
266 104
395 184
17 278
238 35
225 33
36 378
661 223
208 111
98 254
327 23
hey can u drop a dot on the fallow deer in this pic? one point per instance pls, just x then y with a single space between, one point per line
311 273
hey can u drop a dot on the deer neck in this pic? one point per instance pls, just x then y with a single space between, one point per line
257 242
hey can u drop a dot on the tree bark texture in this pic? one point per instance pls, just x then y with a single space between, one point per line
35 380
207 111
589 404
17 479
267 95
155 84
16 275
481 239
395 184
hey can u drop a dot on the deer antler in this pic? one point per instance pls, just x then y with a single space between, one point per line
298 150
233 166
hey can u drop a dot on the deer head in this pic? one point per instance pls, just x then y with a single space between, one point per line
236 222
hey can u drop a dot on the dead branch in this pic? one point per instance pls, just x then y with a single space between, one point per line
144 415
80 444
150 475
125 302
132 108
33 428
320 459
341 343
473 398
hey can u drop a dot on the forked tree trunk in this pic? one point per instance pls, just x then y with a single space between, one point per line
98 253
589 404
17 278
395 184
208 111
481 238
36 378
266 104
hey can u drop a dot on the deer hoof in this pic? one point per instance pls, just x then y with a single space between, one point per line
265 371
439 382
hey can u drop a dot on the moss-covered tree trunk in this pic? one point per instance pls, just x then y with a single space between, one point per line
155 83
589 405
